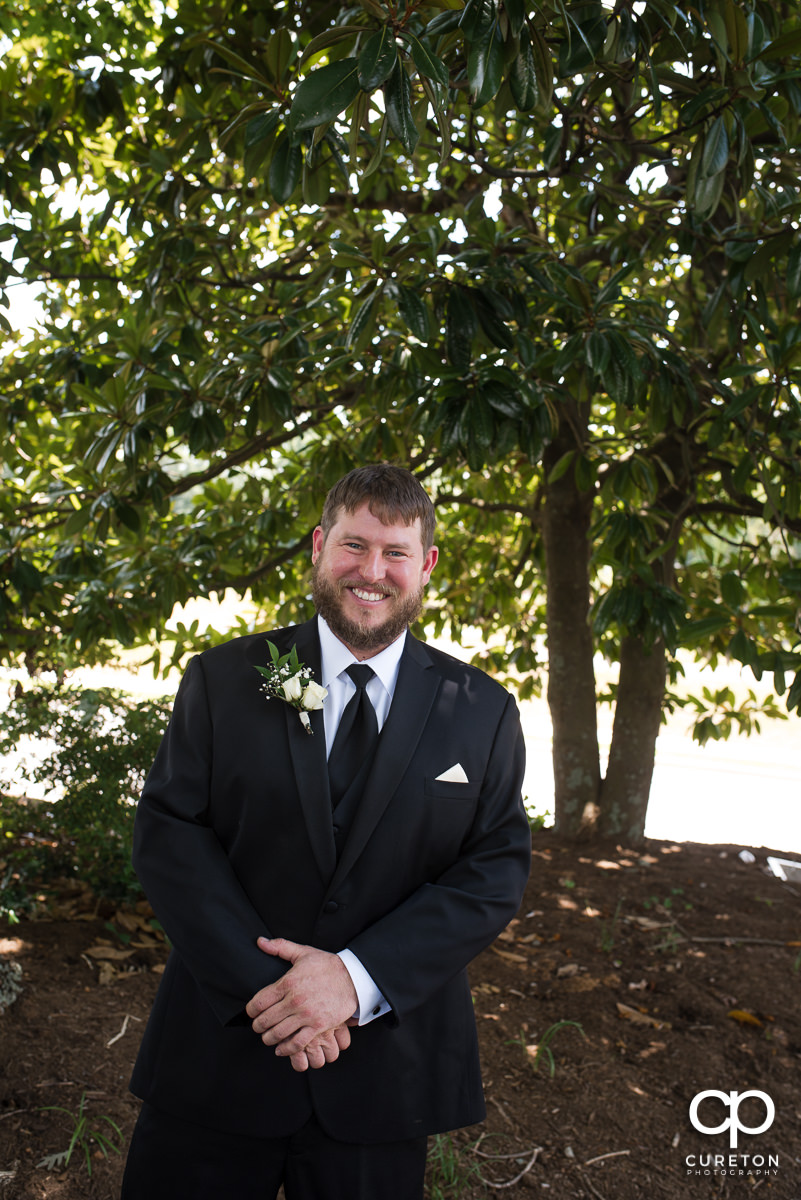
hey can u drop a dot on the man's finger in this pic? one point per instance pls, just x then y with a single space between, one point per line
300 1062
298 1039
281 948
280 1012
342 1035
283 1031
318 1055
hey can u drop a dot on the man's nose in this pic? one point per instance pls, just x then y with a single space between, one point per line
373 567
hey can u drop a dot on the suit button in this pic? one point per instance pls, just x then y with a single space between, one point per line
336 830
331 907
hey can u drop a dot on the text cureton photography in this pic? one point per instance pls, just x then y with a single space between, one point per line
759 1165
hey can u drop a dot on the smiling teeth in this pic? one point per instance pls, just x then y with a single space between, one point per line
367 595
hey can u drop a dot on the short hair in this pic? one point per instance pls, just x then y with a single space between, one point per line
392 494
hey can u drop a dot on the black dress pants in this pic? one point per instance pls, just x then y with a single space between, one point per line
171 1159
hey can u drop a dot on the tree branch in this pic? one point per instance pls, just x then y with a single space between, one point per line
286 555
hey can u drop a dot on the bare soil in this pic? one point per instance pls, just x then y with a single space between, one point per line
630 981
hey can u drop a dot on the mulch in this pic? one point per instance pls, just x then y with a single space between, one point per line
630 982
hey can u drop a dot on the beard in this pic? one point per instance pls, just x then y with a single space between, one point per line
358 636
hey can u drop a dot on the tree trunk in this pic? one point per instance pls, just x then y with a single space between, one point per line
638 715
571 678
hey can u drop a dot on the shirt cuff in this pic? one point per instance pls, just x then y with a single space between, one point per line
371 1003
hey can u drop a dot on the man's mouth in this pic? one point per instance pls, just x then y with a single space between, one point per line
365 594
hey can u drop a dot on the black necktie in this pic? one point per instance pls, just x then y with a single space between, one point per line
356 737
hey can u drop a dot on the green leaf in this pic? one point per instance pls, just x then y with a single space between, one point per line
597 352
707 194
478 421
258 139
791 579
363 322
737 30
285 169
544 71
460 327
243 67
279 52
695 632
316 183
477 17
129 516
523 76
78 521
493 326
516 12
794 695
329 37
441 116
794 272
397 94
379 151
324 93
732 589
740 648
427 62
377 59
716 149
485 63
414 313
561 466
445 23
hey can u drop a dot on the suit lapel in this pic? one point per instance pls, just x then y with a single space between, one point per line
307 752
415 690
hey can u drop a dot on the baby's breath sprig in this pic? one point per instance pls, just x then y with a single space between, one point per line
289 680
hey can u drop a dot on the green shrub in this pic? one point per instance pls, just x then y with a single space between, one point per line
90 752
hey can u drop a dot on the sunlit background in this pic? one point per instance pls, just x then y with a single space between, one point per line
745 791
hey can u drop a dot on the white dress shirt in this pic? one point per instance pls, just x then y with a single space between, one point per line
335 658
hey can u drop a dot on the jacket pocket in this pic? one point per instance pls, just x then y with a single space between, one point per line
444 789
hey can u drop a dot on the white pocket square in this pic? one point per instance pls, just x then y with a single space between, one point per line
454 774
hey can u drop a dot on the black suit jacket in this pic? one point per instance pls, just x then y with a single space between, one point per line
234 840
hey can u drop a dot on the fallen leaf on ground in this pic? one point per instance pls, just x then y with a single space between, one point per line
653 1048
581 983
637 1017
745 1018
509 956
107 974
109 952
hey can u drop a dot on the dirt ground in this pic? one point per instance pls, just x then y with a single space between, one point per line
630 982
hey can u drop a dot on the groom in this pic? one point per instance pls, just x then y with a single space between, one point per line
324 894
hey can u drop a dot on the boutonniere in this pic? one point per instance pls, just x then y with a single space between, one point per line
287 679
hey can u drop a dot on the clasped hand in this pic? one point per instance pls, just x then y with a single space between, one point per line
305 1014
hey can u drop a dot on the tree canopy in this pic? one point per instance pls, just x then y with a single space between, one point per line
546 254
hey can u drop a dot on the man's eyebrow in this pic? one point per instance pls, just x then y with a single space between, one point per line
358 537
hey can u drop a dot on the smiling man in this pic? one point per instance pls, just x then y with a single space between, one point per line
325 894
370 568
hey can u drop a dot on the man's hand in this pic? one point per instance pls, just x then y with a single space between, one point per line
321 1050
316 997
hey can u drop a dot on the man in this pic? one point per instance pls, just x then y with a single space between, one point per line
314 1023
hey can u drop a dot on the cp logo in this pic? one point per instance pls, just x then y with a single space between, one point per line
732 1100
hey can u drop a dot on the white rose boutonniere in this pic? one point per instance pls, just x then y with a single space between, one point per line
287 679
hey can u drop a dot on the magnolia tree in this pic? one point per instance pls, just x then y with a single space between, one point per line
548 255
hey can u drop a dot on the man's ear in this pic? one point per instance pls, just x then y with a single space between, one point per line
318 538
429 562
